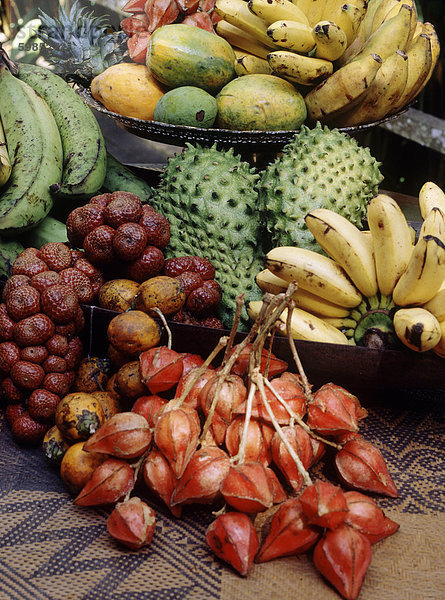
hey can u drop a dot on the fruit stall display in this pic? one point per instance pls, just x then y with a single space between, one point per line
307 249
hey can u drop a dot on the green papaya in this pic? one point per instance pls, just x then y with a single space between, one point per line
186 105
179 55
48 230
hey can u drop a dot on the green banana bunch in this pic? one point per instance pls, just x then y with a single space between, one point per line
84 152
379 287
33 140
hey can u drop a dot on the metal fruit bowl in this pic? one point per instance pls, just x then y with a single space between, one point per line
178 135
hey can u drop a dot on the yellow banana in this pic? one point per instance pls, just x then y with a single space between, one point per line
434 224
343 89
424 273
298 68
5 163
383 93
419 64
348 17
365 29
315 273
248 64
345 244
304 325
237 13
331 40
330 8
340 322
303 5
391 240
292 35
392 35
382 12
268 282
417 328
439 348
436 305
431 196
429 29
277 10
241 39
315 11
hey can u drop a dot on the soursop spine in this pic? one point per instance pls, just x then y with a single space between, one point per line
211 201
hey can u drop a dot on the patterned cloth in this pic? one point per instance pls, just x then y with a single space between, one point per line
52 550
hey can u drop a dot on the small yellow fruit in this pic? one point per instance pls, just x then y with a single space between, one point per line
79 415
77 467
128 89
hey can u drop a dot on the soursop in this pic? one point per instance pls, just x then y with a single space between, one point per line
211 201
318 168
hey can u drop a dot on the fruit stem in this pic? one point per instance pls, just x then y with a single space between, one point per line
240 456
167 328
295 355
136 466
235 324
258 380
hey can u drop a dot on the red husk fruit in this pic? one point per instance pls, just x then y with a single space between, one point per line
289 533
324 504
333 410
258 440
124 435
192 398
232 537
132 523
160 368
160 479
369 519
148 407
246 487
343 557
275 365
361 466
300 441
108 484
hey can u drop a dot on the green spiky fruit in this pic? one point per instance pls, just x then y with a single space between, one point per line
211 201
318 168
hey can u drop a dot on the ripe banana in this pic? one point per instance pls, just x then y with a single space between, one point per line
439 348
391 240
429 29
392 35
248 64
293 35
345 244
34 143
237 13
436 305
315 273
5 163
270 283
343 89
315 11
84 152
431 196
348 17
241 39
419 63
417 328
304 325
331 40
383 12
277 10
383 94
298 68
303 5
434 224
423 275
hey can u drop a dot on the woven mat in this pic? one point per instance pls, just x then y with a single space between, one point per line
53 550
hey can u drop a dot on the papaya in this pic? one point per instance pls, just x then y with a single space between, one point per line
260 102
184 55
186 105
128 89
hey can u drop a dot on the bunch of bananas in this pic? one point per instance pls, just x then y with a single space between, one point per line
372 288
54 142
354 61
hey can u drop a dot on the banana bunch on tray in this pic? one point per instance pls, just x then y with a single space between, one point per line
53 141
354 61
373 288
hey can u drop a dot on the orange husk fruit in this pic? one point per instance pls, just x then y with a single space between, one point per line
232 537
176 434
108 484
343 556
324 504
274 365
192 398
201 481
366 517
299 440
132 523
124 435
246 488
258 440
159 478
361 466
289 533
333 410
160 368
148 407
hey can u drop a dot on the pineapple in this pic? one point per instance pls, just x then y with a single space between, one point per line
80 45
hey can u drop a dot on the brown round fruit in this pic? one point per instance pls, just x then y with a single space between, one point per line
109 402
157 227
44 280
23 302
60 303
34 354
56 255
129 241
79 415
162 292
9 355
34 330
117 294
149 264
124 207
98 245
42 405
54 445
13 283
133 332
79 282
128 381
77 466
92 374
